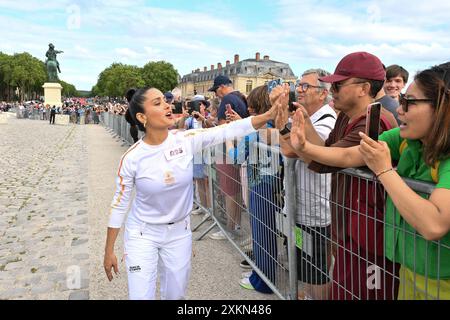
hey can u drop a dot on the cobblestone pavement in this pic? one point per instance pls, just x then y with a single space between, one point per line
43 216
56 185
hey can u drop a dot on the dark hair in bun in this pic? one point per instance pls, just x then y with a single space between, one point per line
129 94
136 99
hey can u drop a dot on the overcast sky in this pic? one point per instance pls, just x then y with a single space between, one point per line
192 34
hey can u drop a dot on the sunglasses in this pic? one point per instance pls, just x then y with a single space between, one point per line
306 86
405 102
336 86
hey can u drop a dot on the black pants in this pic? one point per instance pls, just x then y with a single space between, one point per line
52 118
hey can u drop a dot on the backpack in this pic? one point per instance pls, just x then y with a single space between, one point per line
434 169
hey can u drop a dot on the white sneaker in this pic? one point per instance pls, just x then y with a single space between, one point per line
197 211
246 274
219 235
245 283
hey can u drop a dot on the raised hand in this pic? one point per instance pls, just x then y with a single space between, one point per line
298 136
282 115
232 115
301 107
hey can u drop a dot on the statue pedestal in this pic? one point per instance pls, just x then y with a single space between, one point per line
52 94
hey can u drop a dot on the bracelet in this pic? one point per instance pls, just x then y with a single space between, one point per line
383 172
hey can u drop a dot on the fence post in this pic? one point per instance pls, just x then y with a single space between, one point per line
291 208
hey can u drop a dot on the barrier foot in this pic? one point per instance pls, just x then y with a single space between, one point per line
206 232
206 218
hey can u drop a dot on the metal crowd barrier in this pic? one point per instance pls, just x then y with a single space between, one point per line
362 238
118 126
309 237
247 208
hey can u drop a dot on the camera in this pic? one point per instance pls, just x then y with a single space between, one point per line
193 106
292 97
178 108
274 83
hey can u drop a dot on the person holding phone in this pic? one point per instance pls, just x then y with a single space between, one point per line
159 168
421 147
355 83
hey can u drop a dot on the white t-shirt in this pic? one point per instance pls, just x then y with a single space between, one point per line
313 189
162 174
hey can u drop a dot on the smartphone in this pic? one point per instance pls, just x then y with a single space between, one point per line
229 108
193 106
178 108
373 120
292 97
274 83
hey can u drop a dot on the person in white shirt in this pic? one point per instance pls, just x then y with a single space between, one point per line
157 235
313 215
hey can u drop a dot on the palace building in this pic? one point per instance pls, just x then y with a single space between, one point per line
245 75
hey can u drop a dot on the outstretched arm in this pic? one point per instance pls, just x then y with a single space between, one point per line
331 156
203 138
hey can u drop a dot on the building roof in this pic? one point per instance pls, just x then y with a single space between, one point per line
248 68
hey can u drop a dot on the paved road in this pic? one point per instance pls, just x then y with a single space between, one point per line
56 184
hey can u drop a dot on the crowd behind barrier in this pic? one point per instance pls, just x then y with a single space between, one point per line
285 256
79 110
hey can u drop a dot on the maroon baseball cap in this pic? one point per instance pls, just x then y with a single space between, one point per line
357 65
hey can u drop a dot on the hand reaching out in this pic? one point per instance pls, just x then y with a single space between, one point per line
282 115
298 136
231 115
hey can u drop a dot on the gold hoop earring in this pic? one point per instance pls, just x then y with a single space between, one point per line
145 123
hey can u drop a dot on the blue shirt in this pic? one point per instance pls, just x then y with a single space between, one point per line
266 168
237 104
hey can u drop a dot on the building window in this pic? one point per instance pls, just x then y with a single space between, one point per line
249 86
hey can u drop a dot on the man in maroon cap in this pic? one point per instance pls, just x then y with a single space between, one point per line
356 206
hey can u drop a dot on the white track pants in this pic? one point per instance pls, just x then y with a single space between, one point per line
166 249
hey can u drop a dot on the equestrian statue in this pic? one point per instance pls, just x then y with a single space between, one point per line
52 64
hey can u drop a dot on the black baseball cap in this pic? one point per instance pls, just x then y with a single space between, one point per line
218 81
168 95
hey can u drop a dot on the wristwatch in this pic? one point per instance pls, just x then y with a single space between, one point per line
287 129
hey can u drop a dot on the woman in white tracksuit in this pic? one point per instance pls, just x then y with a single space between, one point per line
159 166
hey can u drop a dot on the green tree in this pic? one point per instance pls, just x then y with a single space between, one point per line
161 75
68 89
5 76
115 80
26 73
95 91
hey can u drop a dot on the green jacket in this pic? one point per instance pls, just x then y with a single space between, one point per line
403 244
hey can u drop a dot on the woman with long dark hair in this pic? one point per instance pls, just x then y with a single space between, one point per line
159 167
